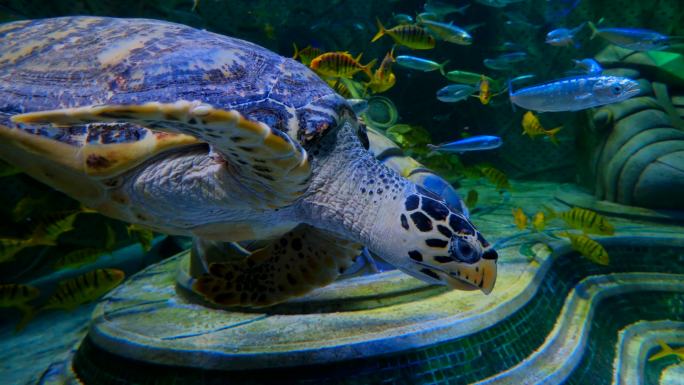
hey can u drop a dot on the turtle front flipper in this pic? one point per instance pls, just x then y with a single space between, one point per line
273 167
300 261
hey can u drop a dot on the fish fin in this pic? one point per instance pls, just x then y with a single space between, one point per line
594 30
381 30
432 147
358 58
463 9
367 68
300 261
550 212
441 67
552 134
296 51
510 94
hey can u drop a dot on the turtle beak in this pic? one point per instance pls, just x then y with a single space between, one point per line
479 275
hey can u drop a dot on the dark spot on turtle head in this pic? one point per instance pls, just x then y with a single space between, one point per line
490 254
445 231
422 222
443 259
237 139
435 209
415 255
404 222
412 202
97 162
430 273
482 241
432 242
460 225
245 149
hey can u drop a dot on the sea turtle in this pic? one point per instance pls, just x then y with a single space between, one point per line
192 133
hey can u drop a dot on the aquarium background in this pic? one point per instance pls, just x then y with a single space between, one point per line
649 240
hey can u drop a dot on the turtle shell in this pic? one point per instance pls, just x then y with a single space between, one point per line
78 61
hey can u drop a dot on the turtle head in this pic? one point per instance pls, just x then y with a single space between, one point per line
437 243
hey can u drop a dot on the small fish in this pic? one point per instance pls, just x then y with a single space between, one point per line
471 199
143 235
632 38
339 87
510 46
306 54
495 176
466 77
505 61
485 94
85 288
88 255
590 222
497 3
519 218
402 18
455 93
17 295
666 350
574 93
340 65
195 5
428 16
532 127
589 66
411 36
420 64
539 221
383 78
473 143
563 37
442 8
447 32
588 247
46 232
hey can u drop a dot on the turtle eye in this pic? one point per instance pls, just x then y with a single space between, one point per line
463 251
616 90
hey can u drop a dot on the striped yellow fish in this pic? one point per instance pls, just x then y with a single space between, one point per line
532 127
45 234
17 295
590 222
588 247
471 199
383 78
519 218
340 65
306 54
88 255
408 35
539 221
85 288
495 176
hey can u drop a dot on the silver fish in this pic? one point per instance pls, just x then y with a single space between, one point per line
475 143
497 3
402 18
442 8
447 32
574 93
632 38
420 64
506 61
589 66
455 93
562 37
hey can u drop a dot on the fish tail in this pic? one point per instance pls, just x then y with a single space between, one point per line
381 30
510 95
441 67
552 134
463 9
367 68
550 212
432 147
296 51
594 30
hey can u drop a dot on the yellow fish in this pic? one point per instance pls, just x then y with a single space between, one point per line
532 127
495 176
590 222
519 218
340 65
666 350
17 295
143 235
588 247
306 54
85 256
85 288
383 78
485 94
539 221
408 35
